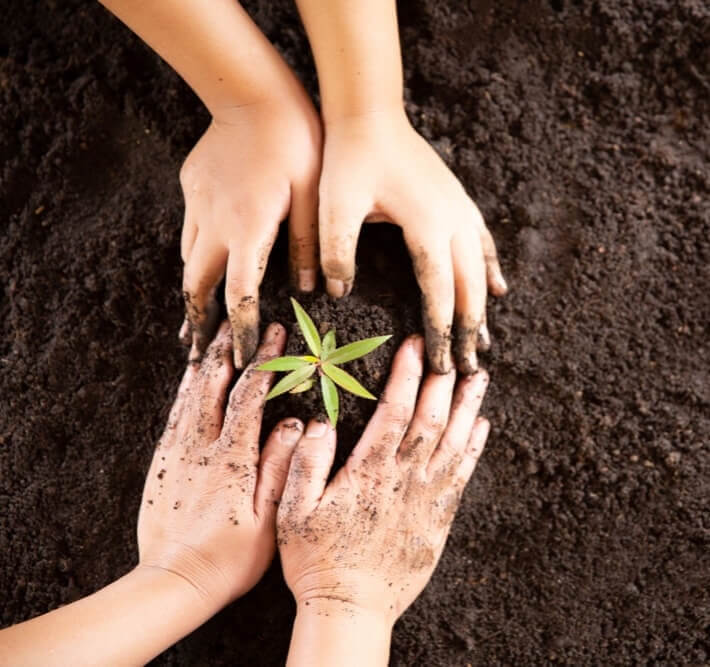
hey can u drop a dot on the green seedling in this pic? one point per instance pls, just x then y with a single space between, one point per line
324 362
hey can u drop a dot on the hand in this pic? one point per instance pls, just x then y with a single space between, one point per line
209 503
376 167
255 165
367 543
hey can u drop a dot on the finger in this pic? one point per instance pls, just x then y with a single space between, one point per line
246 402
244 274
210 387
274 464
430 418
303 236
203 272
470 281
474 449
178 408
432 266
494 275
189 233
339 229
310 465
383 434
464 409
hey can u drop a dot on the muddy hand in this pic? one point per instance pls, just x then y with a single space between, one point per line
368 541
376 167
209 504
254 166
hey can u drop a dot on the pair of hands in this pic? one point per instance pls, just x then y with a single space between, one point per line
260 163
364 544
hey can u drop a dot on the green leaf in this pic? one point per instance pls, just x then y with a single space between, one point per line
356 350
284 364
304 386
346 381
328 345
308 329
330 398
291 380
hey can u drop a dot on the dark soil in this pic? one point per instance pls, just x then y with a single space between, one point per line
582 128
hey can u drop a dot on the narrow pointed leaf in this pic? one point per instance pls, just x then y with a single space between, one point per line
328 346
308 329
310 358
284 364
356 350
304 386
330 398
291 380
346 381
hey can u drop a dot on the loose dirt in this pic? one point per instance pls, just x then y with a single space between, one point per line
582 129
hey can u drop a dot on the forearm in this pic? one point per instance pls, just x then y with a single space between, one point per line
356 48
213 45
330 632
127 623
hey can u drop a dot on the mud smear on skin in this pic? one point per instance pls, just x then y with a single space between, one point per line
584 519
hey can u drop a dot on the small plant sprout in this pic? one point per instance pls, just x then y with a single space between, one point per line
324 362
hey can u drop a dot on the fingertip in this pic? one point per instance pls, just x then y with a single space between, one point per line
484 337
306 280
337 288
274 331
497 284
185 334
479 435
289 431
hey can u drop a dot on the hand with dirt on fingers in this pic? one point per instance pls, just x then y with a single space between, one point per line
376 167
357 551
253 167
209 503
206 529
257 163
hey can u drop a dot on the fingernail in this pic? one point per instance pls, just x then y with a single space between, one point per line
472 362
290 433
336 288
306 280
238 361
500 282
316 429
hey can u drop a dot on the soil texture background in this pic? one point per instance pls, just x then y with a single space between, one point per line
582 129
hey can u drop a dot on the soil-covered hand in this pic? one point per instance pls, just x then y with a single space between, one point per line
209 504
254 166
368 542
376 167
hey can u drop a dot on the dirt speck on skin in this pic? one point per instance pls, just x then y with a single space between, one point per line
581 129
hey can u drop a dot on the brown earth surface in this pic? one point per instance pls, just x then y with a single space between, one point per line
582 129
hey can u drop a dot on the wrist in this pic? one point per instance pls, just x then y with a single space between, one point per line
336 631
190 601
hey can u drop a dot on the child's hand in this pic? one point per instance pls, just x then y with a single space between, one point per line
209 503
376 167
254 166
365 545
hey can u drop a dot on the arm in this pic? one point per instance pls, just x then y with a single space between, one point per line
377 168
358 550
256 164
357 53
129 622
206 528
